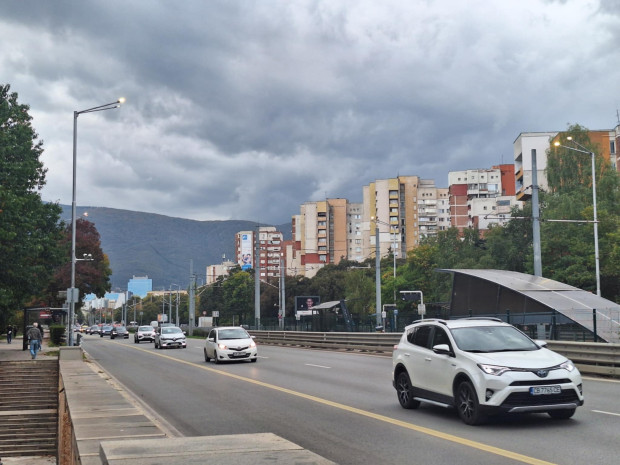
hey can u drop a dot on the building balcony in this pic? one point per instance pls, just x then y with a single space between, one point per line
523 195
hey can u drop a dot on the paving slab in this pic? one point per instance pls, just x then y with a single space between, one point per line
236 449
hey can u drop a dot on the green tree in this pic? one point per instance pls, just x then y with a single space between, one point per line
567 249
238 291
30 229
92 276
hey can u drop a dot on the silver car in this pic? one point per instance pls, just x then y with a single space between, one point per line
230 343
170 336
144 333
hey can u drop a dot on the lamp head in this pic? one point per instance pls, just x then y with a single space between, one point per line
121 100
556 143
569 137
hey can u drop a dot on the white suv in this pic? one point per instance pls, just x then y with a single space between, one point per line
482 366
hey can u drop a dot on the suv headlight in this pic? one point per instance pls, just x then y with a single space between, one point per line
568 365
494 370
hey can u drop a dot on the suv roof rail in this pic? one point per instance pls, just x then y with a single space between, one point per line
490 318
438 320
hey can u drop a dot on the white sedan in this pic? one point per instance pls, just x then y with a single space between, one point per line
230 343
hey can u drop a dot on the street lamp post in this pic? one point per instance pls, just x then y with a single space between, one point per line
73 293
378 262
583 149
177 305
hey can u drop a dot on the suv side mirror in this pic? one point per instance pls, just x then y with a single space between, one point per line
443 349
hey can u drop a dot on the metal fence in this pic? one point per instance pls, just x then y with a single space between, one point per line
590 357
543 325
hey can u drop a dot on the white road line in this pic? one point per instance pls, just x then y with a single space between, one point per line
607 413
317 366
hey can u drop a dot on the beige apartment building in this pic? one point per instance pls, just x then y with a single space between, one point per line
403 209
324 232
213 272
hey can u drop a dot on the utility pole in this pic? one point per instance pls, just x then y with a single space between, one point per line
536 218
378 274
192 297
256 263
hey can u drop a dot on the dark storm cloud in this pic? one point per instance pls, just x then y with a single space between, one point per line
249 109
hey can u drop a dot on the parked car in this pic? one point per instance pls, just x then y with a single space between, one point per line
482 367
119 331
105 330
230 343
144 333
169 336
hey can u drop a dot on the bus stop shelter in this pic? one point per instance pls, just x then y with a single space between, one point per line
527 299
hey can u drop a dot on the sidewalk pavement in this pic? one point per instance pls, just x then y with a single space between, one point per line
13 351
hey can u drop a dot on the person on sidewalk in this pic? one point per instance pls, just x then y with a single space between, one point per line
35 338
9 333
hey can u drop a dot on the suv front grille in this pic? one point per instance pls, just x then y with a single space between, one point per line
524 399
541 382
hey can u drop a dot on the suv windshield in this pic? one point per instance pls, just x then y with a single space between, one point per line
492 339
145 328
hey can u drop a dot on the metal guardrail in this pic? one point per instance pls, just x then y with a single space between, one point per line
590 357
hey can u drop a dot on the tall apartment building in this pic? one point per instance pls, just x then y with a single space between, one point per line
429 199
443 209
323 233
355 232
406 210
270 251
522 148
478 196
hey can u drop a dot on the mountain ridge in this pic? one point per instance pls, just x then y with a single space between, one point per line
160 246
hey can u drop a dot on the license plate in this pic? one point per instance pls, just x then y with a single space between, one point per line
238 354
545 390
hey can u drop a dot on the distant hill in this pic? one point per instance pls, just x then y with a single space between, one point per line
160 247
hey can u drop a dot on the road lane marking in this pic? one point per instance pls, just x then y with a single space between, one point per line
606 413
420 429
316 366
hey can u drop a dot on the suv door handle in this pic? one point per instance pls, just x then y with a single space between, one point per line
428 359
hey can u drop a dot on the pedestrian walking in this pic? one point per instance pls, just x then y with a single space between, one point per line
9 333
35 338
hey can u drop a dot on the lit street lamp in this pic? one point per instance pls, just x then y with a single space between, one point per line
73 293
593 157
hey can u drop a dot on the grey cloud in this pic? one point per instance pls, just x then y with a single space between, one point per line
248 109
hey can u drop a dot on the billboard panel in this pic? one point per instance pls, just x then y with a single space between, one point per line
304 304
246 252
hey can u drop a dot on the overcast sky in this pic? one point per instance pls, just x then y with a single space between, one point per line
247 109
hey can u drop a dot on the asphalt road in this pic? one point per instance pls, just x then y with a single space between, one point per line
342 406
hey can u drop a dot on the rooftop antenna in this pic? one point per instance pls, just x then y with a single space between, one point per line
618 116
